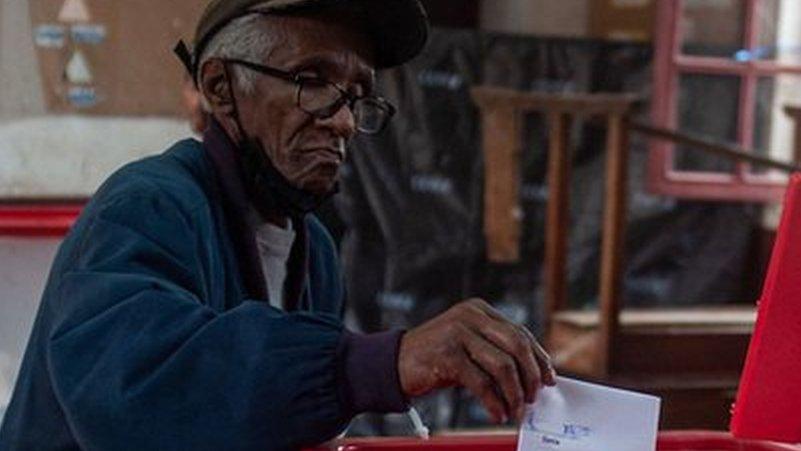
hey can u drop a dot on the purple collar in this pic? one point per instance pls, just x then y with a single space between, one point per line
223 154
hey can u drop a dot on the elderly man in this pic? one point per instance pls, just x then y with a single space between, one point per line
197 303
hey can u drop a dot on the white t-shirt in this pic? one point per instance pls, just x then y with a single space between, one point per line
275 245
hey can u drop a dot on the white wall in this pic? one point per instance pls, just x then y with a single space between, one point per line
56 155
787 87
69 156
568 18
24 264
788 92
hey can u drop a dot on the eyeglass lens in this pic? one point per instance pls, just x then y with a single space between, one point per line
324 100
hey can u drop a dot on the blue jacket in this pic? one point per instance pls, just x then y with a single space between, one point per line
154 331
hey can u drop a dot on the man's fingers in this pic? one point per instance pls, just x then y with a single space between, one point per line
480 384
504 371
543 359
474 346
545 364
513 342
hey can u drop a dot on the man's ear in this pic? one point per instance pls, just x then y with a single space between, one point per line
216 87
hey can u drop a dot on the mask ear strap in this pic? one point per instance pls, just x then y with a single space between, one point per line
182 51
237 121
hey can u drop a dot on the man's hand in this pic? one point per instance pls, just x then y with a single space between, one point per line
472 345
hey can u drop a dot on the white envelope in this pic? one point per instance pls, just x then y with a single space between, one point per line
578 416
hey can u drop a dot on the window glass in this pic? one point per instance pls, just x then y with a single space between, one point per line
712 27
707 106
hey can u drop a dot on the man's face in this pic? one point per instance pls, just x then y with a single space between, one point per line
308 151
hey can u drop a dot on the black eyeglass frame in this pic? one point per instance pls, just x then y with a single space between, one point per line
346 98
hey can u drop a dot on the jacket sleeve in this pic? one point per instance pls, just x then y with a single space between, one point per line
139 362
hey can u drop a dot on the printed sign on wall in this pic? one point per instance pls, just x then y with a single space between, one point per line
112 58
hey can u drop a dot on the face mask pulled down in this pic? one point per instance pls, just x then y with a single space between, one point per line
269 190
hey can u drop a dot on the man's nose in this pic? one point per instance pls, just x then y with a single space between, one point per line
343 122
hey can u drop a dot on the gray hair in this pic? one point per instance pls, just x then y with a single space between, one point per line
243 38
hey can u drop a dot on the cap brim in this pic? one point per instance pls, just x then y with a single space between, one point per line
399 28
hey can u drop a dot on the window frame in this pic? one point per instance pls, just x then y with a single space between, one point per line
669 65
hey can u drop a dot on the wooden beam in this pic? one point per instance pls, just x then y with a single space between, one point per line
502 214
613 242
729 151
558 216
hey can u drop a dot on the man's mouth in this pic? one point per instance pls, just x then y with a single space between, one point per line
326 155
331 151
322 162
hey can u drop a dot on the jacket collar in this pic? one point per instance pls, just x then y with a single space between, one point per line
224 156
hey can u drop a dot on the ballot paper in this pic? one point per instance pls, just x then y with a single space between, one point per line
578 416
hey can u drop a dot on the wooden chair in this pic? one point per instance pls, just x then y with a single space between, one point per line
690 357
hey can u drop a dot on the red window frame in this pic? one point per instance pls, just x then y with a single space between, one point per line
669 65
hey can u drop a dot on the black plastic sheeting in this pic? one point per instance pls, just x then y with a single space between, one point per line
411 201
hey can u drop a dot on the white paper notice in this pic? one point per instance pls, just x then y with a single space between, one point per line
578 416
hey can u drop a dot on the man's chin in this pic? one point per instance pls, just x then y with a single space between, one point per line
320 187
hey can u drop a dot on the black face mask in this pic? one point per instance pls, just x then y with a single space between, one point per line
268 189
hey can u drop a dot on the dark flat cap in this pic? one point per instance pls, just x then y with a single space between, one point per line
398 28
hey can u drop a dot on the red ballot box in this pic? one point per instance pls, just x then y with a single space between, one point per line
668 441
768 404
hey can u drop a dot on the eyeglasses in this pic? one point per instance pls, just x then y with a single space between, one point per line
323 99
